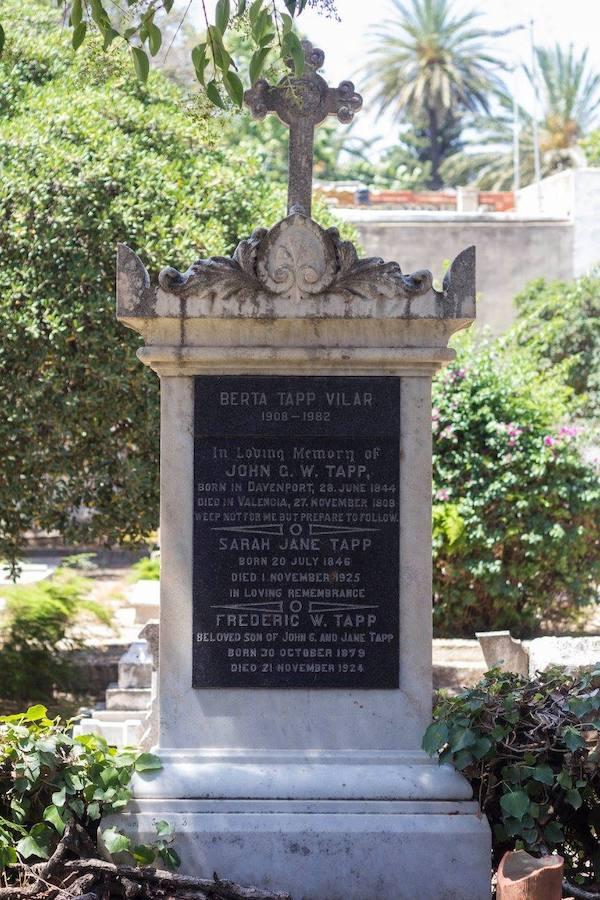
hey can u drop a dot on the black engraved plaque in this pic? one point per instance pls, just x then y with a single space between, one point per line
296 532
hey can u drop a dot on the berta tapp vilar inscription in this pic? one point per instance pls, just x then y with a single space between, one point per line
296 532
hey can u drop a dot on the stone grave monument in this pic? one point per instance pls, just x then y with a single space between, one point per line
294 683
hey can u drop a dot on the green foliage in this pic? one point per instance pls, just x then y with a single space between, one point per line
591 147
49 779
85 165
146 568
559 323
516 510
36 636
530 749
84 562
140 30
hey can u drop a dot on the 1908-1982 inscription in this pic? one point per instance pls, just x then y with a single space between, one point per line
296 532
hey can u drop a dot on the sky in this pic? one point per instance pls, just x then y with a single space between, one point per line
346 43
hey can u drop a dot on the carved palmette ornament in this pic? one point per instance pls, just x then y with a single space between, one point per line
296 258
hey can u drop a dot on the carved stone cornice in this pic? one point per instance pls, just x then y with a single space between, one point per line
297 297
296 258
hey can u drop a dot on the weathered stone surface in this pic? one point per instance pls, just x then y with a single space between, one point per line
128 699
573 654
525 877
502 650
302 103
296 259
135 667
150 633
327 792
295 270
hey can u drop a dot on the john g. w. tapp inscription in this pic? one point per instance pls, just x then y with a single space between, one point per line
296 532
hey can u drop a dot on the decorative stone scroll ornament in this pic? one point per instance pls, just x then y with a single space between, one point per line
295 258
302 104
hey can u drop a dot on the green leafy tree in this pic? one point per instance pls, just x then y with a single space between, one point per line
559 323
516 509
430 65
91 157
142 26
570 103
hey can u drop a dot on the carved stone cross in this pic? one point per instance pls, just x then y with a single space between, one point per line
302 104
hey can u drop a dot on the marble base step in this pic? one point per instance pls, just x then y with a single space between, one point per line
328 850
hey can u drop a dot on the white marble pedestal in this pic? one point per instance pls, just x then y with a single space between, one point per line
321 792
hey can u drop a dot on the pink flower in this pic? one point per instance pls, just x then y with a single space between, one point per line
549 441
435 413
569 431
447 432
442 494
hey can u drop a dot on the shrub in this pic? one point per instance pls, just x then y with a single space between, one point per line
37 636
147 568
90 158
516 511
591 147
559 322
531 750
48 780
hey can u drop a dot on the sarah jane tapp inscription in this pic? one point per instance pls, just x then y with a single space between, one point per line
296 532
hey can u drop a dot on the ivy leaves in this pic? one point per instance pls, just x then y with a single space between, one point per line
271 28
531 750
49 779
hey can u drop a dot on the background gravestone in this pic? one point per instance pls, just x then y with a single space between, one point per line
296 371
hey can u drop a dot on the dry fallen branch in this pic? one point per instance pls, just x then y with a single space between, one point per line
214 888
577 892
91 878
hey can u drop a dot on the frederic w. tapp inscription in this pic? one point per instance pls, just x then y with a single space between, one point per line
296 532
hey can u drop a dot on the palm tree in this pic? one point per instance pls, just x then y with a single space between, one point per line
570 101
571 95
429 65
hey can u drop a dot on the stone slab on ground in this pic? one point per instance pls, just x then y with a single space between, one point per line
502 650
575 654
128 698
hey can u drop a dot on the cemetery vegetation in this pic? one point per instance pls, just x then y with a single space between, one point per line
559 323
531 750
147 569
90 158
143 28
39 637
54 791
516 508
